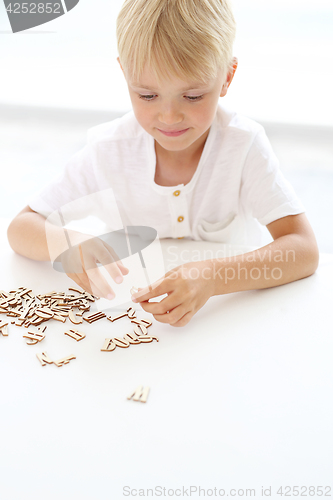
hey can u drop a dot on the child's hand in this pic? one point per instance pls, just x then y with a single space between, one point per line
188 287
80 264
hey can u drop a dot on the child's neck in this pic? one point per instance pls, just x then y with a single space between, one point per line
177 167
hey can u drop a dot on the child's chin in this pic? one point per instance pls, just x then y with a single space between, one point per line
173 143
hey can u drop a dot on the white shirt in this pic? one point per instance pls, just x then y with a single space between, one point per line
236 190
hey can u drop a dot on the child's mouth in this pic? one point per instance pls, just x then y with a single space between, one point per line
174 133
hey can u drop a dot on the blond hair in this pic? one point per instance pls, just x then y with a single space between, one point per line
192 39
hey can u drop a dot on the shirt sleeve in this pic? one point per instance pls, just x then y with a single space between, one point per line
76 183
265 193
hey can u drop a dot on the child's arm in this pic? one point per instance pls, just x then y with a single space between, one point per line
292 255
32 236
27 236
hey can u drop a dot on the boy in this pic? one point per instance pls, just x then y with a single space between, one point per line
179 163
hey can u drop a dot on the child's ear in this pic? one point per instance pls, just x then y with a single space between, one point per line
120 64
229 78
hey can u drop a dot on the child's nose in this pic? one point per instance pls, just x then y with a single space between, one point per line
170 114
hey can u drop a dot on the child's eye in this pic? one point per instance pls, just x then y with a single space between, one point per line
146 97
194 98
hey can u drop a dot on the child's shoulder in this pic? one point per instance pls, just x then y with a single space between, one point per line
122 128
233 121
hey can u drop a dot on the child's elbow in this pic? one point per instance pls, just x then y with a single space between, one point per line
12 233
313 257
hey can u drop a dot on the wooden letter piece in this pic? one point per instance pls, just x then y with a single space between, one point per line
132 338
142 323
140 330
20 322
43 358
64 361
146 322
34 337
140 394
44 313
94 317
108 345
117 317
131 313
147 338
74 319
77 290
90 297
3 329
121 342
59 318
75 335
98 316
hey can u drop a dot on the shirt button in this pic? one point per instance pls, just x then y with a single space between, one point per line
176 193
180 218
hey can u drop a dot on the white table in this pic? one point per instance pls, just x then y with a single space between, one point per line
240 398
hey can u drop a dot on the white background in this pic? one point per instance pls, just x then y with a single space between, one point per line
284 49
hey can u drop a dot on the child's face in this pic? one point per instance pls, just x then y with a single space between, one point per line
177 113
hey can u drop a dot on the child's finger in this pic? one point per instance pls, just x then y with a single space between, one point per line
178 319
116 259
97 281
103 256
83 281
99 284
178 316
167 304
114 272
160 287
77 280
123 269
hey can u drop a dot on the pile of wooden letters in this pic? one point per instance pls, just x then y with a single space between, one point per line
23 308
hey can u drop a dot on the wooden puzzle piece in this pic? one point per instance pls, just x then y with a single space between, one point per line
94 317
147 338
44 313
29 309
117 317
108 345
131 313
3 329
74 319
140 394
59 318
132 338
34 337
144 322
140 330
76 290
75 335
129 338
43 358
64 361
120 342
